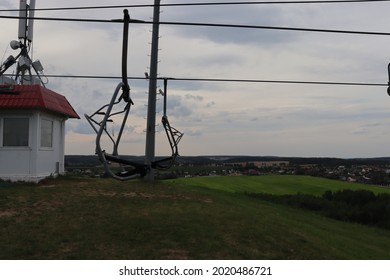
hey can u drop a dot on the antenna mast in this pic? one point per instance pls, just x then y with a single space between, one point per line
23 60
25 35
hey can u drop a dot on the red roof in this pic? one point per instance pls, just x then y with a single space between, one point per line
35 97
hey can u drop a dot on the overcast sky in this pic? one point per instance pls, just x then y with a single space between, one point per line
225 118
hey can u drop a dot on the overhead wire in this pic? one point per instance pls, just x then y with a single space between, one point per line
203 24
201 4
74 19
217 25
276 28
335 83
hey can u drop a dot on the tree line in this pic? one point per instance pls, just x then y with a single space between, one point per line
359 206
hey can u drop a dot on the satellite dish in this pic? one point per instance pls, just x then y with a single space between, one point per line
15 44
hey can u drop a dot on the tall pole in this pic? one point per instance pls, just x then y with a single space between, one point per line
151 117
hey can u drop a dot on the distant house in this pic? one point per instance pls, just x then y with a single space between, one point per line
261 164
32 132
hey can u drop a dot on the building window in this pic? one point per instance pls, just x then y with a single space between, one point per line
15 132
46 133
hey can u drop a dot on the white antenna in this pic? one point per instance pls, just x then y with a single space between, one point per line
22 19
26 21
30 26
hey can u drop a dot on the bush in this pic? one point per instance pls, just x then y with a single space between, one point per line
356 198
359 206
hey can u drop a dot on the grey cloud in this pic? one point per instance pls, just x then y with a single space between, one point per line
221 61
245 15
182 111
177 107
194 97
96 94
7 4
241 36
189 86
370 128
79 126
83 127
359 131
210 104
192 132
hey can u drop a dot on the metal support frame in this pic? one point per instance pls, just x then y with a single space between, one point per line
174 136
388 71
22 72
129 169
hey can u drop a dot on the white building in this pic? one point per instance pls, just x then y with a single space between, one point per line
32 132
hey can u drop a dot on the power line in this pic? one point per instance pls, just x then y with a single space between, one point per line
201 4
219 25
281 82
276 28
226 80
77 19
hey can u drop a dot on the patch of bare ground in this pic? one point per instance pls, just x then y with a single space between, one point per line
47 186
7 213
174 254
45 205
145 195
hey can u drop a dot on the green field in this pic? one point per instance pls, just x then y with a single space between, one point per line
274 184
194 218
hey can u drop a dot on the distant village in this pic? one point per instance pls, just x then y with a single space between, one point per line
368 174
367 171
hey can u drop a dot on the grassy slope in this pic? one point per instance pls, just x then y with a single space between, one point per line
106 219
275 184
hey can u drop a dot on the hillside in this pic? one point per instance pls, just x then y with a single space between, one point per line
275 184
79 218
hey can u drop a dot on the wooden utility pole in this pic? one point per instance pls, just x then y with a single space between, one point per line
151 116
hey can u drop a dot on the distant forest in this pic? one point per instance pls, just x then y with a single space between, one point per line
92 160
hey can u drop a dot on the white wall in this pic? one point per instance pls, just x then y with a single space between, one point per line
15 162
34 162
51 160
